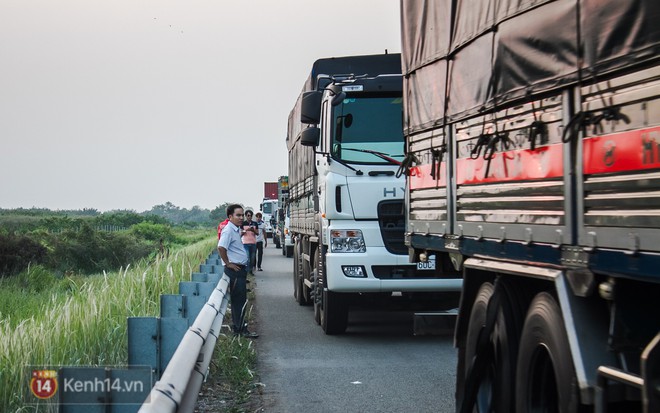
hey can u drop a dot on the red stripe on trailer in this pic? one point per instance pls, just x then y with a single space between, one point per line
518 165
622 152
420 177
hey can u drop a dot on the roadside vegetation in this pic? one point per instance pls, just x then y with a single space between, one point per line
88 242
69 280
79 320
232 385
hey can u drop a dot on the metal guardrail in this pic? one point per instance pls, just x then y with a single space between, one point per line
179 385
176 347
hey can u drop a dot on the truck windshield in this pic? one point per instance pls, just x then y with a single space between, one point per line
368 122
268 208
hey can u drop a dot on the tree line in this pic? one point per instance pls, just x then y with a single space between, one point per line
73 241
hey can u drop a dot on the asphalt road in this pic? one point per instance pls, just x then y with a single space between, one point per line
377 366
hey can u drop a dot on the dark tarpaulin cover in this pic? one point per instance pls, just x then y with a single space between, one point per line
425 90
470 77
425 34
507 50
619 33
473 18
536 52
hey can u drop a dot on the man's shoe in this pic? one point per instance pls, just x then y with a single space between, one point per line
249 334
259 269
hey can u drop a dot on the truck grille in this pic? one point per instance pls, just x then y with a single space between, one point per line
392 226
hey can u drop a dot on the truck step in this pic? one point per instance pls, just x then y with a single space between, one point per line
434 323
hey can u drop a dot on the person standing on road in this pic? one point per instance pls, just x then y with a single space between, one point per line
249 231
235 258
262 239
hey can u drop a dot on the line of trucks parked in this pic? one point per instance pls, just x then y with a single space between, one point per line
274 208
509 155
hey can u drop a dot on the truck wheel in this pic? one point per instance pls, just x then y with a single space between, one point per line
496 382
297 279
318 288
334 312
545 378
306 274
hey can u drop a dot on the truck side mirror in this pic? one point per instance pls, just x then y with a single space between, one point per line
310 107
310 136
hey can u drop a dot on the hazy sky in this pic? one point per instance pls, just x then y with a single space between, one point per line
126 104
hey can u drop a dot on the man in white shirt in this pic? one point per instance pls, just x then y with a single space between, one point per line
235 259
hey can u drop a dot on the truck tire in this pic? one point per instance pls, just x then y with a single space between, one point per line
545 377
496 383
297 279
317 282
306 274
334 312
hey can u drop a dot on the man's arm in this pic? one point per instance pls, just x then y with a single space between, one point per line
265 237
223 255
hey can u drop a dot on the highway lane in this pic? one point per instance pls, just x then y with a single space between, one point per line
377 366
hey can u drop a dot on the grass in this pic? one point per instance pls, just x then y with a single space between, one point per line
80 321
232 382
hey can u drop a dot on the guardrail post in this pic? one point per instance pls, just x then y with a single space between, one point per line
143 341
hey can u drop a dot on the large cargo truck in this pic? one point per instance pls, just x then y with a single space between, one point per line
345 146
282 235
283 217
269 207
532 134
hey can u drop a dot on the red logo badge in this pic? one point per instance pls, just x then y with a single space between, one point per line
43 383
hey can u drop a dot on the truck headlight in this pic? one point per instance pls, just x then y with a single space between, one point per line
350 240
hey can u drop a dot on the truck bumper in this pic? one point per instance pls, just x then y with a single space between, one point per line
395 273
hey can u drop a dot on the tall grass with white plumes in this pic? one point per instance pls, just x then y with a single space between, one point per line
83 321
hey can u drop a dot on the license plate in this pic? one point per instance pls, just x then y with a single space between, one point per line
428 265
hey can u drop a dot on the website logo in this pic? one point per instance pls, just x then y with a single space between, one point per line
43 383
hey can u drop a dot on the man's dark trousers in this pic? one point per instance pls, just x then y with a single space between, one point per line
238 294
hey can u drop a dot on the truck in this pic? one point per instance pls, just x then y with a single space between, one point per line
532 132
268 206
345 146
282 236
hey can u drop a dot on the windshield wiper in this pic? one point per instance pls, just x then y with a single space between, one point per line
381 155
357 171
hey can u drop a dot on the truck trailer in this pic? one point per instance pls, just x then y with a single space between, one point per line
532 133
345 146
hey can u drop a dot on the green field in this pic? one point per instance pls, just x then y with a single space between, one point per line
50 319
